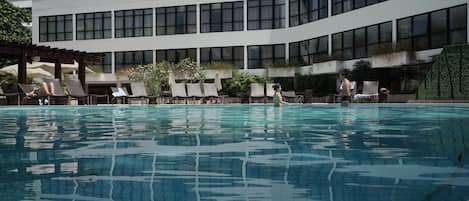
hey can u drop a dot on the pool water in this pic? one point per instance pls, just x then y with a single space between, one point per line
235 152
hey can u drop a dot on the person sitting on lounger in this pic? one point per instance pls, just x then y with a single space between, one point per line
45 89
277 99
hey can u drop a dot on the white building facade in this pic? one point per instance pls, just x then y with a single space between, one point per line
296 36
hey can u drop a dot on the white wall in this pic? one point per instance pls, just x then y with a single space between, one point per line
390 10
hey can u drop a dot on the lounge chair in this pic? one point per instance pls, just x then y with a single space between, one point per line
178 90
119 93
257 91
210 91
59 91
140 92
75 90
369 93
27 88
9 90
292 97
194 91
269 90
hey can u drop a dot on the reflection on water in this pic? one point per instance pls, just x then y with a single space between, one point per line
237 152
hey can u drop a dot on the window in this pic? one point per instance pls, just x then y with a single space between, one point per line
218 17
93 26
362 42
105 65
266 14
133 59
176 55
304 11
266 55
304 52
176 20
230 55
342 6
134 23
433 30
55 28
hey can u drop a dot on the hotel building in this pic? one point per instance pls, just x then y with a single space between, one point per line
308 37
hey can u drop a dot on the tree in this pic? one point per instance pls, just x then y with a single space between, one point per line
11 23
11 26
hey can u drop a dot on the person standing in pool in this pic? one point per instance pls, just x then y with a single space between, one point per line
344 90
277 99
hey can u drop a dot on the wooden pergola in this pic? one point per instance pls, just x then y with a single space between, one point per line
26 52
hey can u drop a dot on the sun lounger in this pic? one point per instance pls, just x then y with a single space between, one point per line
140 92
75 90
257 91
178 90
369 93
10 91
119 93
194 91
27 88
210 91
292 97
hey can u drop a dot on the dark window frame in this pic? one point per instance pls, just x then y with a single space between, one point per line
190 11
177 56
310 9
275 18
105 63
299 59
259 60
127 64
222 20
339 51
342 4
68 35
132 30
223 58
103 30
429 31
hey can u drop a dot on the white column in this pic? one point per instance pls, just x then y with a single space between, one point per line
394 33
113 62
74 22
113 18
287 14
287 52
154 58
329 8
329 41
198 56
245 57
197 13
245 18
154 24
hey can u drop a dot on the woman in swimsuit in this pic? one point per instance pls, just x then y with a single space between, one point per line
277 99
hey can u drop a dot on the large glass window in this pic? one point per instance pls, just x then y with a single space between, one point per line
342 6
125 60
105 65
260 56
266 14
362 42
304 11
433 30
93 25
55 28
218 17
230 55
134 23
176 20
304 52
176 55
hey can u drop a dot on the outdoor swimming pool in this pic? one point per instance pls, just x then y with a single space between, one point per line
235 152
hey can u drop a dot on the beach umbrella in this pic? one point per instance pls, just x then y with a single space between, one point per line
218 82
49 67
32 72
171 78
